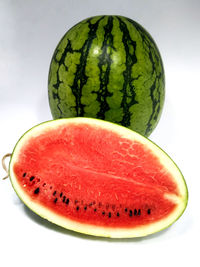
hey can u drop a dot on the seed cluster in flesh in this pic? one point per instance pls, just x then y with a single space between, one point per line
107 210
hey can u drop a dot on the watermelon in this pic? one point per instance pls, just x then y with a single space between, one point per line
97 178
108 67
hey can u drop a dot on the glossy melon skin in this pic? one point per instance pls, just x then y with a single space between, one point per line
60 167
108 67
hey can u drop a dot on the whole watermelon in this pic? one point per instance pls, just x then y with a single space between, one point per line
108 67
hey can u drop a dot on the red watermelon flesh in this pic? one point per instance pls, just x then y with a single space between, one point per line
97 175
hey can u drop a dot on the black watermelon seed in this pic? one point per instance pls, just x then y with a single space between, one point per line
54 193
67 201
55 200
32 178
135 212
103 213
109 214
130 213
77 208
24 174
117 214
149 211
64 198
61 194
95 210
85 207
139 212
37 190
126 210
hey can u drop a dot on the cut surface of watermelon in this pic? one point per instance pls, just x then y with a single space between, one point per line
98 178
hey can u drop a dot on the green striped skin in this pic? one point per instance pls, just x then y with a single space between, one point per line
108 67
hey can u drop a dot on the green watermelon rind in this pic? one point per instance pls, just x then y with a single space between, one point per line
89 229
82 83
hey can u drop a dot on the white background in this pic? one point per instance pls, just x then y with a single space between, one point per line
29 33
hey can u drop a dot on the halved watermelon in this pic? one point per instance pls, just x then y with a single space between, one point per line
98 178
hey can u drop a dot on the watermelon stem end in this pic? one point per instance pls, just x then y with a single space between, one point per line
4 164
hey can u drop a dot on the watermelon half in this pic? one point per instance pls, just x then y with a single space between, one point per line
97 178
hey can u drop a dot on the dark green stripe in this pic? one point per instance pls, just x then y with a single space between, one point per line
80 77
105 61
155 100
60 62
128 99
157 71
